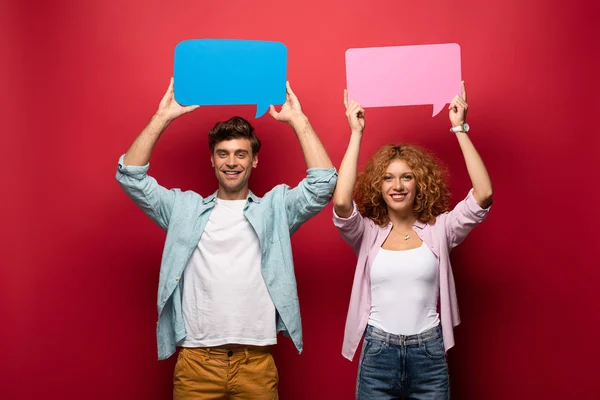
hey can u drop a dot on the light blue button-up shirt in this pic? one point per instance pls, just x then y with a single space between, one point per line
184 215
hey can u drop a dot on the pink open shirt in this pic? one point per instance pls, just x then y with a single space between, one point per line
365 237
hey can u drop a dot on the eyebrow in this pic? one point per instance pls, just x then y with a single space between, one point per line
235 151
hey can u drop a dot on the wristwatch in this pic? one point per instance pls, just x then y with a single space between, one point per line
464 127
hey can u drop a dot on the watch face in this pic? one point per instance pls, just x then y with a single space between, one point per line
466 127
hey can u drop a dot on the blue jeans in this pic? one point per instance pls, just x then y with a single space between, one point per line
397 366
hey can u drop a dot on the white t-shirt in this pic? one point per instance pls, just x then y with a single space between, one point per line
225 298
404 291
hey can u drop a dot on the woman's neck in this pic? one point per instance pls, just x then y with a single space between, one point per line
402 220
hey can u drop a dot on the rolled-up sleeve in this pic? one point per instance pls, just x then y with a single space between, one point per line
463 219
310 196
351 228
156 201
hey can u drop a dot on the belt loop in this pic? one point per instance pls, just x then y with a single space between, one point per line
387 337
247 356
420 337
207 355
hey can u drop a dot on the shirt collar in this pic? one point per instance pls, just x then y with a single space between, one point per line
417 224
251 196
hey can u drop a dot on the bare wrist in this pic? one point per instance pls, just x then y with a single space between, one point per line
299 123
162 118
160 122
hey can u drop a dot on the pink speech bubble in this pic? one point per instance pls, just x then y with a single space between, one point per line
404 75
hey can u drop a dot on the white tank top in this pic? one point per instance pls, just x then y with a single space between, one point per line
404 291
225 298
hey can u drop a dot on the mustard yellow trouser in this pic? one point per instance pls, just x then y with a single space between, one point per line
210 373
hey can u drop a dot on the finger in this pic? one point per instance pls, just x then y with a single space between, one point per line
346 98
168 94
351 110
460 103
290 98
289 89
464 91
272 111
452 104
188 109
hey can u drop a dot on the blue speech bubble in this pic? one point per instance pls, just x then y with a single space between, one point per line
210 72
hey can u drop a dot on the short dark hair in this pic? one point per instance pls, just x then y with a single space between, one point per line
233 128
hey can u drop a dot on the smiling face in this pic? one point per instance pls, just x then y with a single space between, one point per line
233 161
399 187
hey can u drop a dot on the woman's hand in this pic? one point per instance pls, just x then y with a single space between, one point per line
458 108
355 114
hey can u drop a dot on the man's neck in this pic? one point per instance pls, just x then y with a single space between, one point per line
239 195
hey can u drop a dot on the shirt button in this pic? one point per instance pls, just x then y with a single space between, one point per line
177 278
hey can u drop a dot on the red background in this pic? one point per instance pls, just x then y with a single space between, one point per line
80 262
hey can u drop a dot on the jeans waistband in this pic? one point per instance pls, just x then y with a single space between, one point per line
403 340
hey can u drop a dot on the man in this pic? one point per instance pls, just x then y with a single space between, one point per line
227 283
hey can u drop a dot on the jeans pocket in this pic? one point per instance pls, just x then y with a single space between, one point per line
435 348
374 347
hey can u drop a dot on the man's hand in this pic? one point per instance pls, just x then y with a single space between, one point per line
140 151
291 111
355 114
169 109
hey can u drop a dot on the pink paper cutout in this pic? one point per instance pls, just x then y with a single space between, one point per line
404 75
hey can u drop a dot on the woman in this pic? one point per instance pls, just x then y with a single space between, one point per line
402 230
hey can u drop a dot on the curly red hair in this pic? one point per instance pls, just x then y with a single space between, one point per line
433 194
